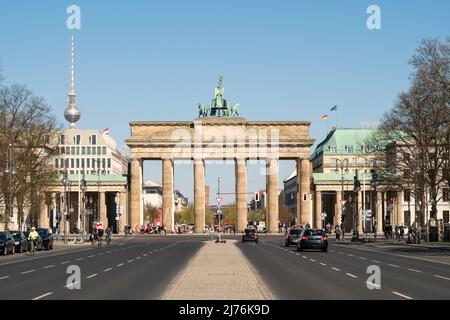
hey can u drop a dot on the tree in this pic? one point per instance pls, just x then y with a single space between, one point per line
28 125
150 211
415 133
187 215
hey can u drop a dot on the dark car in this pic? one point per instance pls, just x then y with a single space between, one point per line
20 241
47 238
292 237
313 239
39 245
7 244
250 235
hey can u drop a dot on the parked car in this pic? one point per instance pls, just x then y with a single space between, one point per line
39 245
20 241
47 238
7 244
250 235
313 239
292 237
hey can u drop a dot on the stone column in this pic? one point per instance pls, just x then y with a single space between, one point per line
379 212
399 209
338 210
272 195
304 191
360 208
318 221
241 194
135 192
43 214
124 213
199 195
103 210
168 200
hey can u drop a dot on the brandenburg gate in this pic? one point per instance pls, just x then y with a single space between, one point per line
220 134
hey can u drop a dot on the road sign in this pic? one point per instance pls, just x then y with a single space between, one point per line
323 215
343 202
367 214
219 200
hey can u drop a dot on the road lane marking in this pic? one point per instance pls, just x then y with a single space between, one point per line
414 270
5 277
393 265
29 271
376 261
441 277
297 253
130 260
351 275
350 255
65 262
106 270
292 252
121 264
71 284
340 252
79 259
145 254
402 295
100 254
363 258
336 269
46 267
138 258
312 260
91 256
323 264
373 284
305 257
43 296
92 275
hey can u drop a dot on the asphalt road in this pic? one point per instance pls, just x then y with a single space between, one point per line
144 267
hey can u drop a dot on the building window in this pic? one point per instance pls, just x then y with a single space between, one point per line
72 151
66 164
333 162
77 139
349 149
332 149
83 150
82 163
354 161
78 163
62 139
103 163
446 216
94 139
445 195
406 196
56 163
104 150
109 163
63 150
88 150
72 163
88 163
99 150
61 163
94 150
67 150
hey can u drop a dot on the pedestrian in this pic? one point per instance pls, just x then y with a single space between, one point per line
338 233
402 232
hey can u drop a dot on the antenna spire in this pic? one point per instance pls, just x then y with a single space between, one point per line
72 113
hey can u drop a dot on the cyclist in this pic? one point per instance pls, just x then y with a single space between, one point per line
33 236
99 233
108 235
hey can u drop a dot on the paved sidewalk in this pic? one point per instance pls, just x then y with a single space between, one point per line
218 271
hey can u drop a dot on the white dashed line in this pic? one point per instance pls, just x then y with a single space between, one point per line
106 270
65 262
70 285
79 259
323 264
46 267
340 252
350 255
138 258
363 258
312 260
394 265
5 277
351 275
297 254
92 275
43 296
29 271
91 256
145 254
121 264
336 269
130 260
402 295
441 277
376 261
304 257
414 270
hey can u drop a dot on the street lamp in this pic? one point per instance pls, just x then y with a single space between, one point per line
97 215
374 183
9 171
342 167
83 186
356 189
66 182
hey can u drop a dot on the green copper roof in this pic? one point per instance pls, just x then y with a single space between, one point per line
339 141
95 178
337 176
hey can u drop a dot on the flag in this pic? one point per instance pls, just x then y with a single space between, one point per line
334 108
105 131
324 117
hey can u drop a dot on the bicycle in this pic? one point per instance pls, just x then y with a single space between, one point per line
108 239
99 241
32 248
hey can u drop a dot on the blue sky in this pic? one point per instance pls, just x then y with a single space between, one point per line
156 60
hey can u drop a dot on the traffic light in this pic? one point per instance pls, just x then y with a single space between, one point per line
356 184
